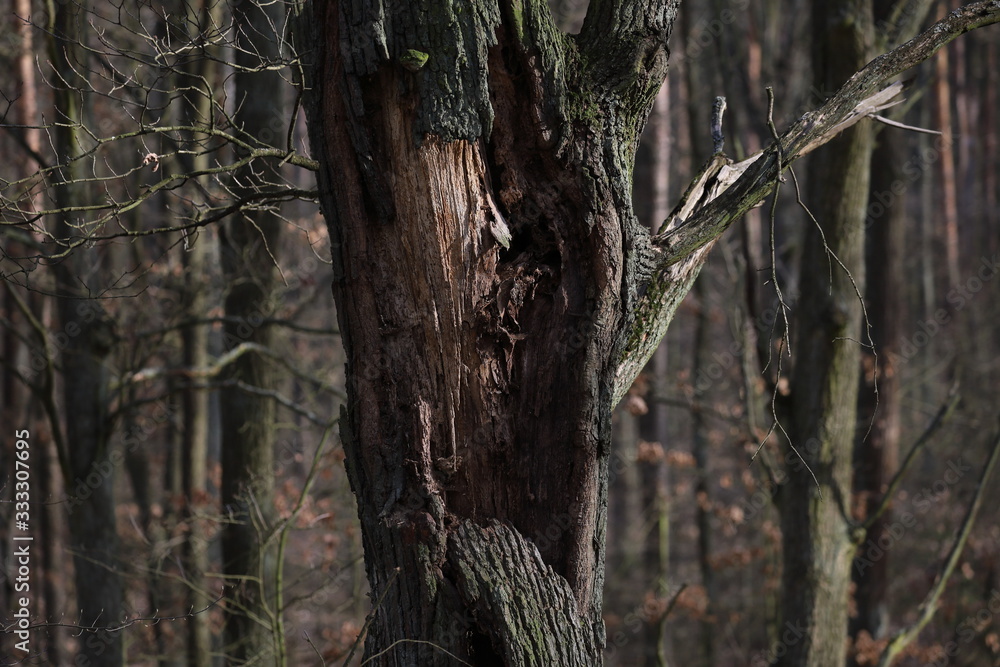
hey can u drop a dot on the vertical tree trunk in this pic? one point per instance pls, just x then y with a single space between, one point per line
497 296
200 78
195 448
949 187
52 530
817 543
700 447
477 188
627 589
991 184
15 399
876 455
248 245
138 466
91 475
703 79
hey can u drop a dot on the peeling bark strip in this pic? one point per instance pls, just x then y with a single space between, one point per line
496 294
480 367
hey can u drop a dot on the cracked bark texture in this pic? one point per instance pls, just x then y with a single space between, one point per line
481 377
496 295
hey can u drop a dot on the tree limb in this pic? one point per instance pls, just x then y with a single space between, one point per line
862 93
723 192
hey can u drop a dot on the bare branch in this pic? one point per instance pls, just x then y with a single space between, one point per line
863 94
723 192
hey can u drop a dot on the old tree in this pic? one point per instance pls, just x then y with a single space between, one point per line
497 297
497 294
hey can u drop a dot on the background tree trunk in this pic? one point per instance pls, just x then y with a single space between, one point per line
247 245
88 466
654 471
877 450
817 543
202 77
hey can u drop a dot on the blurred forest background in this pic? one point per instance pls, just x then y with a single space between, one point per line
168 338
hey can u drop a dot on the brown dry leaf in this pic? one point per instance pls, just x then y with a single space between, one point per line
649 452
680 459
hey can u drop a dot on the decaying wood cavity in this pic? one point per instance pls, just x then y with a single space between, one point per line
481 286
497 295
482 328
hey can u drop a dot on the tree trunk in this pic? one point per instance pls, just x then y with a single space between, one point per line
949 187
477 190
199 78
703 80
52 530
248 243
876 456
497 296
85 374
654 471
700 447
195 447
817 542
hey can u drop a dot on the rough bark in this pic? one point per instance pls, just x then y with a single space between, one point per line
815 515
496 296
481 376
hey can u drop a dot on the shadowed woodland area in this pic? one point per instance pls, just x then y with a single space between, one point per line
661 333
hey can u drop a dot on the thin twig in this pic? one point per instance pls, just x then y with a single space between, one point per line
857 292
902 126
781 302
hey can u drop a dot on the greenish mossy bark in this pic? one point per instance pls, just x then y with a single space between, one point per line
496 295
817 540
